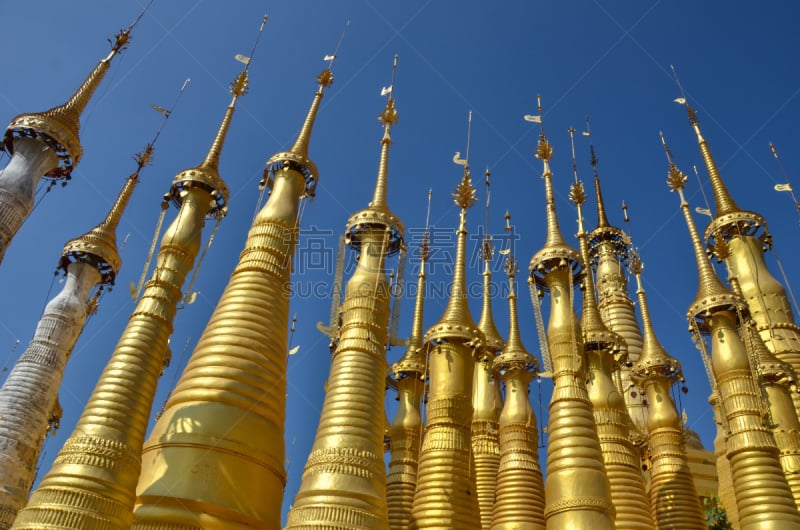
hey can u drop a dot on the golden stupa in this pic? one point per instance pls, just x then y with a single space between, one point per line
445 429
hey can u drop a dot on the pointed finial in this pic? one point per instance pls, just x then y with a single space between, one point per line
377 213
724 202
297 156
457 322
486 322
59 127
556 252
514 354
99 245
207 173
596 334
712 295
388 117
653 360
577 194
602 218
413 361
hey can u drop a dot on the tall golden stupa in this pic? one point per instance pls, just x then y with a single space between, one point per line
436 421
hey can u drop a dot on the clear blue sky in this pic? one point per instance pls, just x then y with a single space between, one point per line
610 61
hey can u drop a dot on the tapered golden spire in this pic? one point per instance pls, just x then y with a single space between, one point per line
577 488
445 496
555 252
486 322
609 249
297 156
724 202
344 481
654 359
413 361
601 345
519 499
487 400
673 498
602 219
406 428
514 348
101 241
457 319
207 173
59 126
234 384
711 293
377 213
763 497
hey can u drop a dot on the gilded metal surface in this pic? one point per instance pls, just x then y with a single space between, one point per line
763 497
608 249
740 238
712 295
723 200
779 382
406 427
577 491
297 157
344 481
30 393
674 503
556 252
445 496
224 419
621 457
59 126
206 175
725 490
487 401
519 503
99 245
92 483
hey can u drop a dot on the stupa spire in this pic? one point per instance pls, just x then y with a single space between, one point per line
751 447
207 173
344 482
487 400
710 287
406 428
486 323
60 125
445 494
603 349
237 379
673 498
520 490
465 196
602 218
45 144
556 251
578 482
